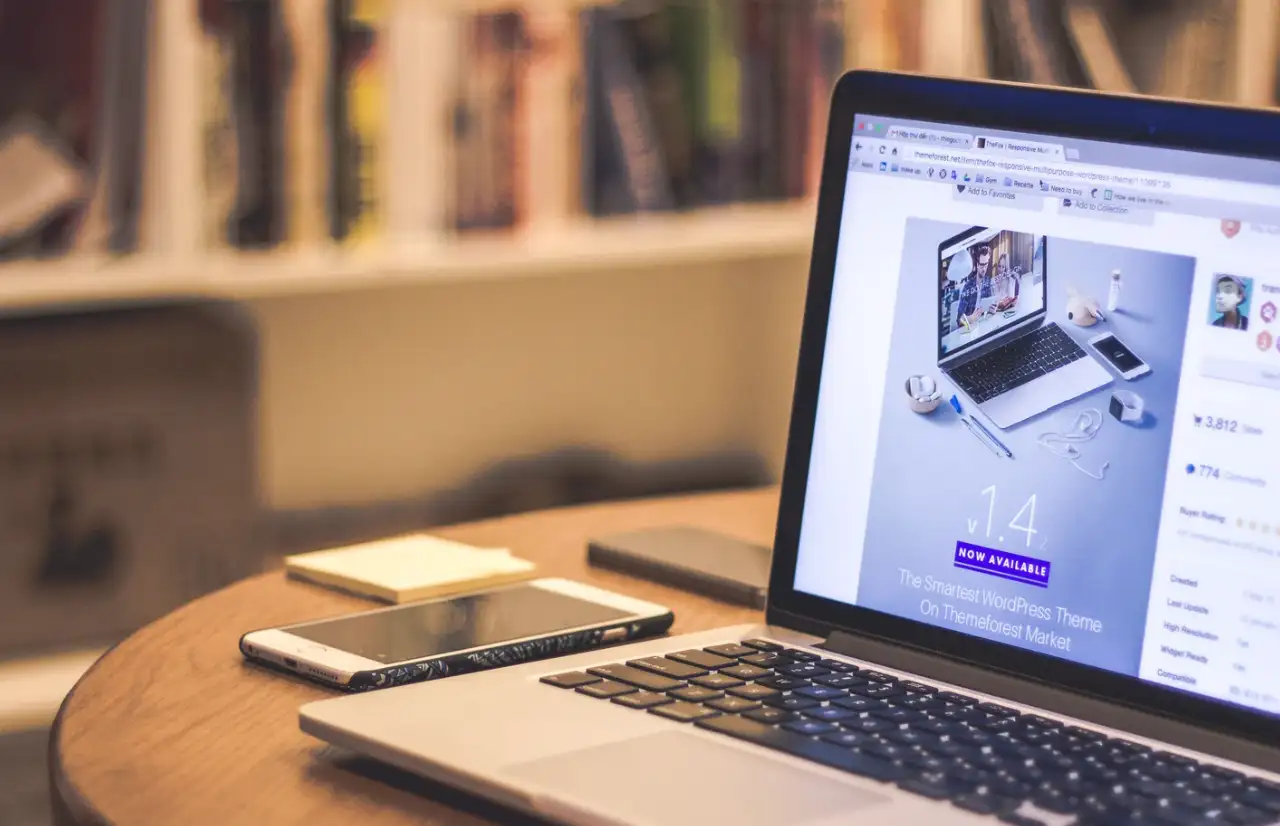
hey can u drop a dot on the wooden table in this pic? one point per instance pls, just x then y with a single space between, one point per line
172 727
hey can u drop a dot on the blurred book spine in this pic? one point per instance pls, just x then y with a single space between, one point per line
360 116
486 122
54 61
259 52
830 50
218 130
553 100
306 169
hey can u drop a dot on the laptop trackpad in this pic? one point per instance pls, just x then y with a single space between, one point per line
673 778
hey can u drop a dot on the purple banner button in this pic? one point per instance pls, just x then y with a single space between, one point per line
1003 564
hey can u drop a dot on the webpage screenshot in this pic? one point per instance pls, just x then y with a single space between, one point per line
1049 413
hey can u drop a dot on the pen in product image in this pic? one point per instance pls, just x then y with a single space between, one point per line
1006 451
981 433
964 420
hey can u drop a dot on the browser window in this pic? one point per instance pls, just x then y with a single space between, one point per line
1047 414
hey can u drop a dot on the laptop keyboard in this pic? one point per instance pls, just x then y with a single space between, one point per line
1021 360
983 757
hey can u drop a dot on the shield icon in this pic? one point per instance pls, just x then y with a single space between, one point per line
1230 227
960 187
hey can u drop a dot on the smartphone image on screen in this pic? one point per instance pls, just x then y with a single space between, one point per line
1119 356
456 635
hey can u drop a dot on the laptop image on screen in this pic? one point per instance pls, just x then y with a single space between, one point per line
954 636
994 341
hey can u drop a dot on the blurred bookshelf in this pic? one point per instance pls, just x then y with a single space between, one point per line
249 148
718 234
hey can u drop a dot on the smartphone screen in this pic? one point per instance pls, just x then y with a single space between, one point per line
1111 349
419 631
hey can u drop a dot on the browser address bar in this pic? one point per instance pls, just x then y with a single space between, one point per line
1088 174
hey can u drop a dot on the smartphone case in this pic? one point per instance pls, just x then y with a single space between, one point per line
451 665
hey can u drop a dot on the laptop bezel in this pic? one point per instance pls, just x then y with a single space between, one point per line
994 339
1202 127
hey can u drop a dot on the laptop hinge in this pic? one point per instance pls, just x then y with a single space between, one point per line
1053 699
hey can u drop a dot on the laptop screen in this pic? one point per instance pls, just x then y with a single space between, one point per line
990 282
1098 483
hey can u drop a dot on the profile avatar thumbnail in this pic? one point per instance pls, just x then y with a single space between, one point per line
1229 307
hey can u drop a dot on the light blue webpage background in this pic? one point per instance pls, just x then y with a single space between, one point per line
930 472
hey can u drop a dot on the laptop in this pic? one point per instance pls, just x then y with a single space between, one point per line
954 637
995 341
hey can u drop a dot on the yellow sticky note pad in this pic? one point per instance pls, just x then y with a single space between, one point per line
409 568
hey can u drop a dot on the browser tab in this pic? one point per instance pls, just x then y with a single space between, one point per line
1030 149
937 137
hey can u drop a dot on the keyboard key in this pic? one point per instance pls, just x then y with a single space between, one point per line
783 682
772 716
809 728
1040 722
790 702
898 715
879 676
746 672
839 667
733 705
819 692
848 739
1088 734
730 650
804 747
570 679
604 689
935 726
805 670
695 694
1221 772
765 660
755 691
919 702
683 712
635 676
718 681
868 724
956 699
668 668
880 691
910 737
763 645
801 656
932 786
831 714
642 699
859 704
917 688
889 751
996 708
702 659
839 680
985 804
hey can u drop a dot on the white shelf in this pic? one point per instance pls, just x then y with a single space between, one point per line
31 691
710 236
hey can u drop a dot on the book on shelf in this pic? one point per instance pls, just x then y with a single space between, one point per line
72 114
360 114
488 107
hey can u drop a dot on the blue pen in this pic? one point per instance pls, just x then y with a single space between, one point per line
981 431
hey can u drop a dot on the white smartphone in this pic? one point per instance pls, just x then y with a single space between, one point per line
442 637
1114 351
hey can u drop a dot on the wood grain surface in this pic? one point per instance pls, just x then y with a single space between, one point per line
171 726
